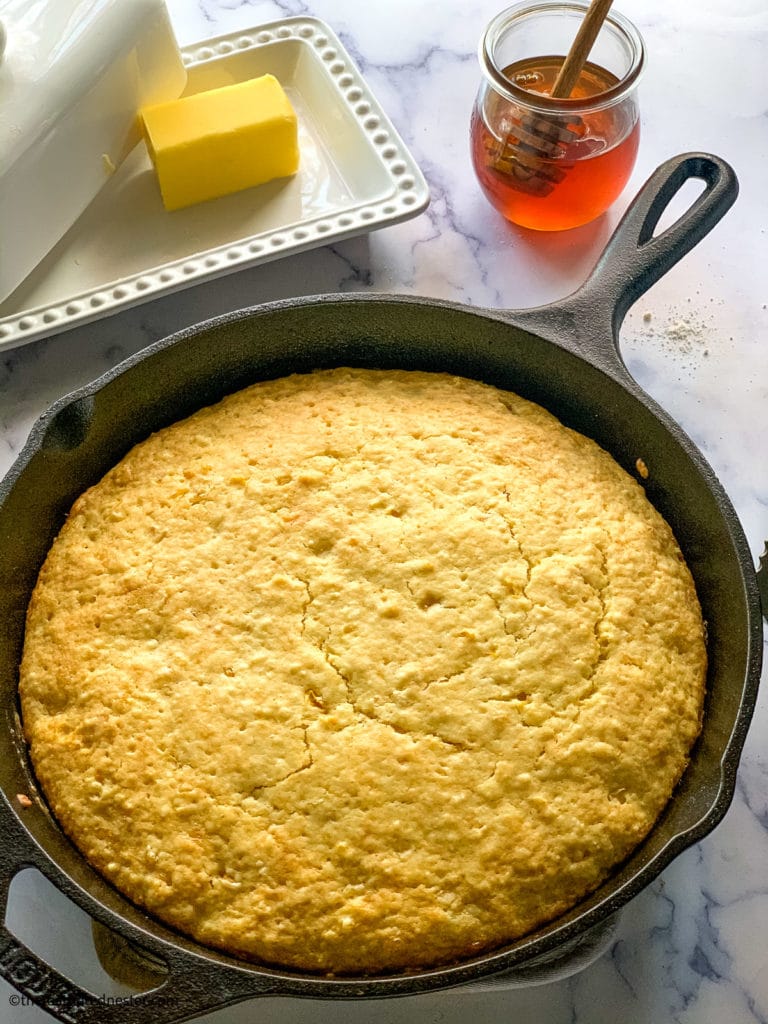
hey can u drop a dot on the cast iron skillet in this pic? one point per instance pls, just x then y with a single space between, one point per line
564 356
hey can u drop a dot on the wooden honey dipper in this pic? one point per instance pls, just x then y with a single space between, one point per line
528 152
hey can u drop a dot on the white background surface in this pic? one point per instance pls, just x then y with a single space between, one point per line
694 947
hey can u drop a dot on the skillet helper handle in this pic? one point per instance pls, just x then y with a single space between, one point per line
182 996
191 987
634 258
34 980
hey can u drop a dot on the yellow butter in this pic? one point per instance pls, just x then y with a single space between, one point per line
221 141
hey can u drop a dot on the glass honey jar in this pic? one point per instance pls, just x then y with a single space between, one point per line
553 163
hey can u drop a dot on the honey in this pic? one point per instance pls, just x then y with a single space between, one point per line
551 171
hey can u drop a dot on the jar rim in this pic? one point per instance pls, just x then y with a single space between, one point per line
541 102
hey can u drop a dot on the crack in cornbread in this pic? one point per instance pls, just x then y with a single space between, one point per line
360 670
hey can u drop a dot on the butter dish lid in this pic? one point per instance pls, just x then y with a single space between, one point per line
51 53
73 75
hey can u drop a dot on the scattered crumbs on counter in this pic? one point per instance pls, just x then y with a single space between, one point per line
641 468
23 799
681 332
684 329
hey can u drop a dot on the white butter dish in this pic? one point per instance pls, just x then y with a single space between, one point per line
355 175
73 76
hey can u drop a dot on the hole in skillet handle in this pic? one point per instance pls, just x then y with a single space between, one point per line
679 203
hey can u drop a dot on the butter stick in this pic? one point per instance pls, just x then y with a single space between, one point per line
217 142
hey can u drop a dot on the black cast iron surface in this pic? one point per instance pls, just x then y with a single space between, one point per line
564 356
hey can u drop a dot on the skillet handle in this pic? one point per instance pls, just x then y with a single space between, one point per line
634 258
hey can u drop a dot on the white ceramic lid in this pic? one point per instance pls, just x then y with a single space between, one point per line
73 76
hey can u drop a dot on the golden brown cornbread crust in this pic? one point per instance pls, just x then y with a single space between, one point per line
362 670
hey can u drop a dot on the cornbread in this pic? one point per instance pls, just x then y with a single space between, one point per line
360 670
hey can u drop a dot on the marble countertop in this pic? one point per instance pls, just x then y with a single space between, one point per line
691 948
